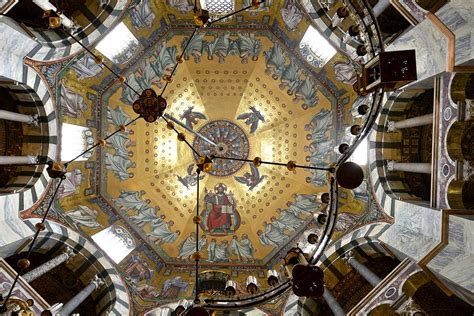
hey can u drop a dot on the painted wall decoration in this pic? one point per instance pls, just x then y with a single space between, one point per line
301 86
150 72
141 14
183 6
173 288
83 216
252 118
246 46
218 251
231 141
251 179
119 166
132 200
190 179
71 183
288 220
345 72
86 67
72 103
117 116
220 216
138 270
188 246
161 231
291 14
243 248
191 117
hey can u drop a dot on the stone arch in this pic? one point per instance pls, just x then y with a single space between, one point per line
29 183
460 194
382 309
461 87
460 140
89 261
364 240
48 45
22 139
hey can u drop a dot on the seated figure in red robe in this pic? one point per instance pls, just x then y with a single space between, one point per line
220 207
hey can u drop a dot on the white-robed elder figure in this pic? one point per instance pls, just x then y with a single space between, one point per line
120 142
70 184
188 246
243 249
131 200
83 215
272 236
86 67
218 252
286 220
161 232
304 204
119 166
147 215
141 14
72 104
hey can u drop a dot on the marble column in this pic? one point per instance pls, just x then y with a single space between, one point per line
368 275
74 302
332 303
18 117
49 265
18 160
411 122
418 167
380 7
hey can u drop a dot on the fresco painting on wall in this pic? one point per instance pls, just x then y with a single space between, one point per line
190 179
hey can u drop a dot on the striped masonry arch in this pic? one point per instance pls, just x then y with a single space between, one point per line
389 190
112 298
323 23
363 240
33 92
51 45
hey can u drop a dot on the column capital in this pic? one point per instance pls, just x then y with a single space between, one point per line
348 256
391 165
97 282
391 126
69 252
32 159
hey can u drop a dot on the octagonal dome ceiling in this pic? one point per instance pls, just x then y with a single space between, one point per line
242 105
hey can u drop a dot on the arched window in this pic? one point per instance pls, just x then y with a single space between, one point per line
119 45
315 48
75 140
115 241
